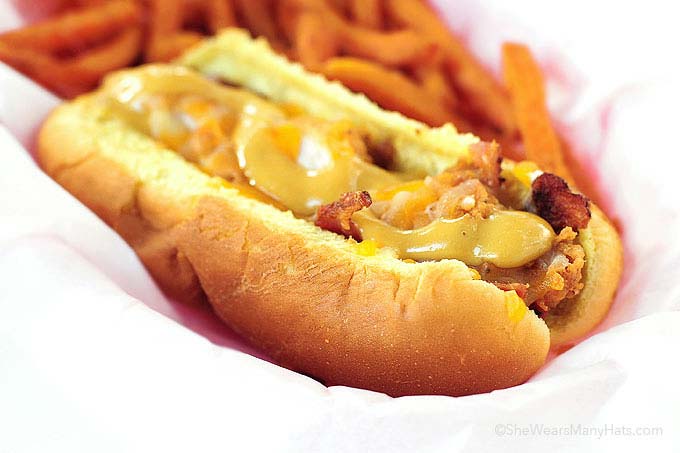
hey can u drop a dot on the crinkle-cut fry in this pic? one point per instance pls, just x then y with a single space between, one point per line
481 91
388 88
367 13
77 29
45 70
258 16
314 41
220 14
115 54
525 83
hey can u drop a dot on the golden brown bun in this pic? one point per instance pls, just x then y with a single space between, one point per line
301 294
234 57
397 329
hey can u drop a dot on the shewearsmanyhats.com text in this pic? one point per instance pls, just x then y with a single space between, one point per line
575 430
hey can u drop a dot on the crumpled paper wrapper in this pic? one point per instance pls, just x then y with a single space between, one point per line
93 357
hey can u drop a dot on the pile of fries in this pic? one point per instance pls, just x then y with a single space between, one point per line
398 52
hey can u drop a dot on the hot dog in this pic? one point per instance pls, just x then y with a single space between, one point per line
347 242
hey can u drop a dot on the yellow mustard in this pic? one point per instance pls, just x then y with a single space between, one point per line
506 238
315 176
301 163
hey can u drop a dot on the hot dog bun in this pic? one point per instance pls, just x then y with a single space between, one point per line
235 58
304 295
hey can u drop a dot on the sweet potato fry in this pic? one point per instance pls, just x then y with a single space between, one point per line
165 20
286 17
207 16
76 30
45 70
335 7
525 83
367 13
116 54
172 46
483 94
389 88
220 14
433 80
72 76
339 6
88 3
258 16
314 41
166 39
395 48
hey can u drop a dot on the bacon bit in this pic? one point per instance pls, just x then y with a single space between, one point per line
557 204
469 197
520 288
563 278
486 156
337 216
484 164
